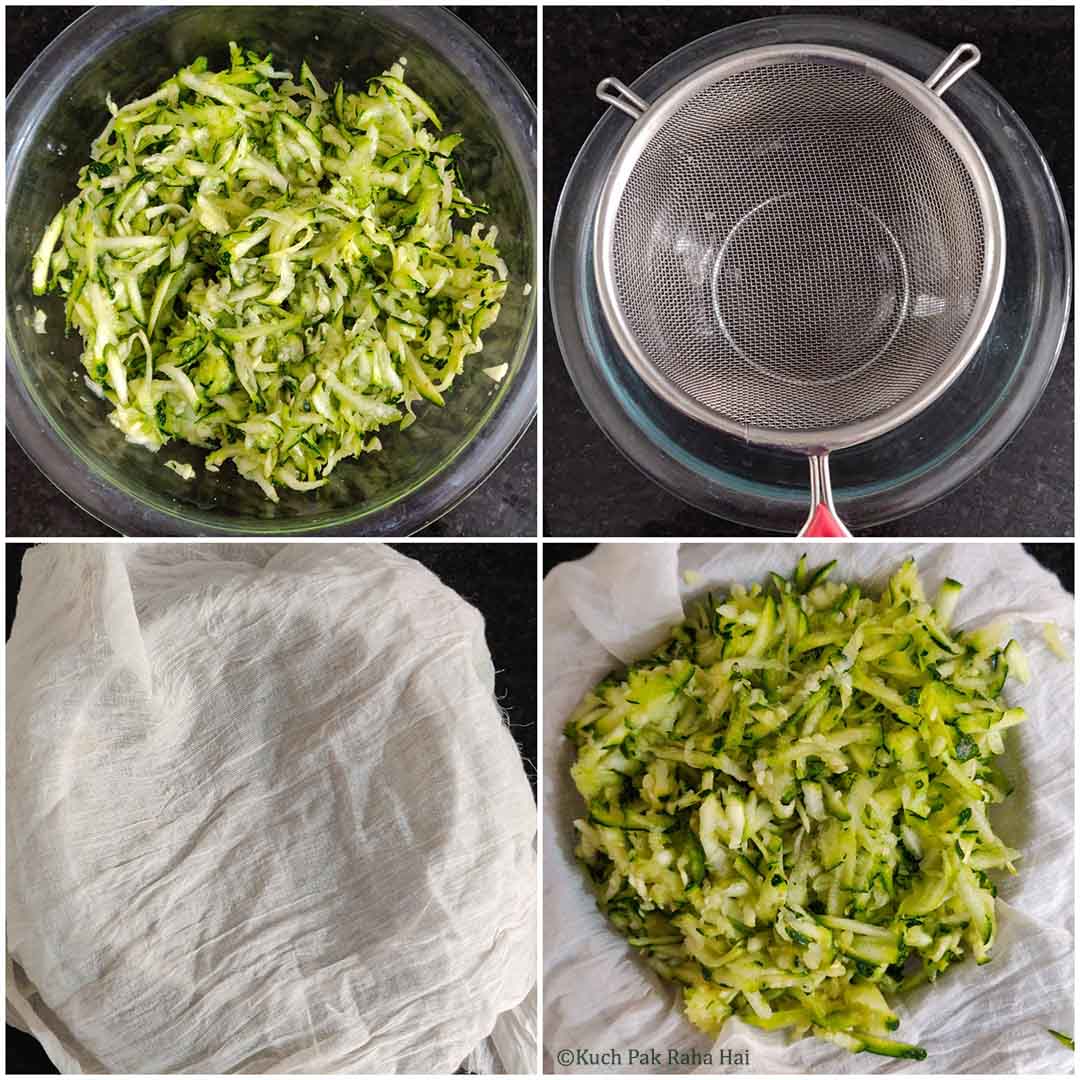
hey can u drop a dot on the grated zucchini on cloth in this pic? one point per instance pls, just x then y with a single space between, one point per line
788 802
271 271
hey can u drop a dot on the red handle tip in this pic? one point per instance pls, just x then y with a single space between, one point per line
823 522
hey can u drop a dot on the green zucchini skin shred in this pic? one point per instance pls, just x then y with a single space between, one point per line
270 271
788 802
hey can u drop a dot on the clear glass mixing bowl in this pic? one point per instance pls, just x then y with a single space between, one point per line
899 472
53 114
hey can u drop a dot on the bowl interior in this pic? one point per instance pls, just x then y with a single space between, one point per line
127 52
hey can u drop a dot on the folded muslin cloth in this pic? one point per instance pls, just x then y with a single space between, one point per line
263 815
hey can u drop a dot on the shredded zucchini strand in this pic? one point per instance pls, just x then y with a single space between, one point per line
787 803
271 271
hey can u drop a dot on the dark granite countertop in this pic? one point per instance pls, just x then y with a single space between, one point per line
498 579
589 487
505 505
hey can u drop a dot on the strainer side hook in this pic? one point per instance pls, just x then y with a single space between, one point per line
617 94
957 64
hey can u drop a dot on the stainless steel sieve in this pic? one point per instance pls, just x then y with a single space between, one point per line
801 246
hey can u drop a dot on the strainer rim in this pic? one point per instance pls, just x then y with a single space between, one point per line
944 119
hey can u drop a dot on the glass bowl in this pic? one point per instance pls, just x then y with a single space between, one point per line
52 115
909 467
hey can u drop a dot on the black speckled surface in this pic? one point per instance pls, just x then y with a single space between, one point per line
504 506
590 489
498 579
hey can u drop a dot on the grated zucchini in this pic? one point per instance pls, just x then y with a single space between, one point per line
270 271
1052 637
787 802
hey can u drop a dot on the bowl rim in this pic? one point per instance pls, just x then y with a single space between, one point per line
435 494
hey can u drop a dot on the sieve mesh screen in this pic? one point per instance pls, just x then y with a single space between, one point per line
798 246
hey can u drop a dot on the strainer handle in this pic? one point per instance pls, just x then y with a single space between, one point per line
959 62
619 95
822 521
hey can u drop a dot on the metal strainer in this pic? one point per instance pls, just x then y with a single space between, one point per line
801 246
